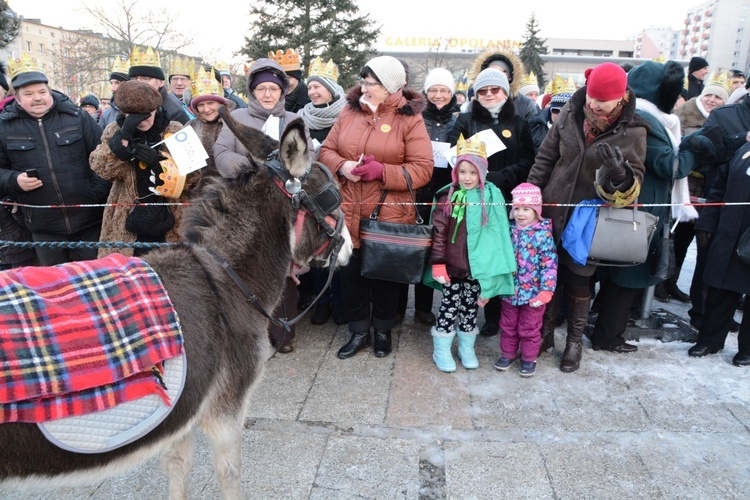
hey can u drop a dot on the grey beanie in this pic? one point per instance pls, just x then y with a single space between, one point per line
492 77
329 83
389 71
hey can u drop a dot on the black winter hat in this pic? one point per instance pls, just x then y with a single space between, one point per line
120 77
697 63
91 100
149 71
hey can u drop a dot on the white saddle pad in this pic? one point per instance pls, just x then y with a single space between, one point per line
109 429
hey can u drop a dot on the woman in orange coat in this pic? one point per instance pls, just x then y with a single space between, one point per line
379 133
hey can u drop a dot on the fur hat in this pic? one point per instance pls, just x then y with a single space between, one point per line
137 97
440 76
658 83
527 195
606 82
696 63
492 77
389 71
90 100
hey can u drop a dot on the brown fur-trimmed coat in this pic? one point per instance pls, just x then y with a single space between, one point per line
122 176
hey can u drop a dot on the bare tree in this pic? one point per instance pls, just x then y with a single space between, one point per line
437 56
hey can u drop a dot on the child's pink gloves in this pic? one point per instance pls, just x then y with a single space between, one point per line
440 274
544 297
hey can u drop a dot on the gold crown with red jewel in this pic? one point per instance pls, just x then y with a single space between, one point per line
289 60
173 182
470 147
203 83
24 64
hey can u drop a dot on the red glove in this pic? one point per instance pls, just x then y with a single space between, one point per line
440 274
544 297
481 301
370 169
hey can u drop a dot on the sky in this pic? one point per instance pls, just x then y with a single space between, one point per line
492 20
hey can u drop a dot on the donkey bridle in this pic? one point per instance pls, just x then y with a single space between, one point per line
320 205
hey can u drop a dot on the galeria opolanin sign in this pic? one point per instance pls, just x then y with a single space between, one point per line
451 43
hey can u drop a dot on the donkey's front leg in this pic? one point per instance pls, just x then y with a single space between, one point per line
177 462
225 434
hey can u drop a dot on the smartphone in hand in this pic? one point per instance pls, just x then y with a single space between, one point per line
32 172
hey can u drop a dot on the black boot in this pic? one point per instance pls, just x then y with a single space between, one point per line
359 341
548 324
671 287
660 292
382 345
578 316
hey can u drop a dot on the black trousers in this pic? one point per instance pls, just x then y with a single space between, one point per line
54 256
614 308
360 293
718 313
423 297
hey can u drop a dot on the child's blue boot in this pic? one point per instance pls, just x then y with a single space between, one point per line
466 349
441 354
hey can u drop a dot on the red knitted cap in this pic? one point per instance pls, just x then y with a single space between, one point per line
606 82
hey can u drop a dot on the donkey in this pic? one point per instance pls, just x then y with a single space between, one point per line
247 224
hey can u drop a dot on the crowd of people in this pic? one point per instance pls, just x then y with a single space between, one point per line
502 207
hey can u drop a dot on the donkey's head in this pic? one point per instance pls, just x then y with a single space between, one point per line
287 190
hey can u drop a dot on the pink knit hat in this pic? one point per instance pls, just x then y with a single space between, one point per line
527 195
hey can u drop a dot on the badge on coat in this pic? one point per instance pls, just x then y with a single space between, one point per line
385 128
506 133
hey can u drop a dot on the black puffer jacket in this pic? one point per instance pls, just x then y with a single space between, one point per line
509 167
58 146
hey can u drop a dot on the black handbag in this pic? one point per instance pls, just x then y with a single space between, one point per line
150 220
743 247
392 251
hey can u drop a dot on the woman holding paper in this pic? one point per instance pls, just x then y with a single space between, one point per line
129 157
493 113
266 84
379 134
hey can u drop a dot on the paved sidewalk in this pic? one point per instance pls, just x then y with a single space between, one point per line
652 424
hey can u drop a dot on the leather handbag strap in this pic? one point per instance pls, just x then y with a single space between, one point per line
418 218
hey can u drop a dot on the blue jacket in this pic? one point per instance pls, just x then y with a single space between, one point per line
536 258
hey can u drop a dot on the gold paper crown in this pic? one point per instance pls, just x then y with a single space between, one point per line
148 58
173 182
562 87
182 66
529 79
327 70
120 66
462 85
686 84
470 147
23 64
204 83
720 80
288 61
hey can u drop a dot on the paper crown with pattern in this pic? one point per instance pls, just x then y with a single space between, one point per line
289 60
470 147
148 58
203 83
181 66
718 79
173 182
25 70
529 79
462 84
327 70
120 66
560 86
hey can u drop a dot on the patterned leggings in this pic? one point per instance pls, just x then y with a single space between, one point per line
459 306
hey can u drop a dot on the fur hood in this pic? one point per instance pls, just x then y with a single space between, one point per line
410 103
483 60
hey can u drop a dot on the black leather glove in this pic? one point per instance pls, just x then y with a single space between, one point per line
613 163
148 155
130 125
703 238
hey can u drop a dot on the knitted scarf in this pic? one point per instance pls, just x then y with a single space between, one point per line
594 124
458 201
320 117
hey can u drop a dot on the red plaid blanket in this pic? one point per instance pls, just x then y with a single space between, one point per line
82 337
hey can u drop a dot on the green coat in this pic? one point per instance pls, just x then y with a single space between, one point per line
491 255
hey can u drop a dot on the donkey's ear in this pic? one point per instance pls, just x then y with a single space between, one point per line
293 148
258 144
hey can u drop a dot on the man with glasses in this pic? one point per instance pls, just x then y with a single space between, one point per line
147 69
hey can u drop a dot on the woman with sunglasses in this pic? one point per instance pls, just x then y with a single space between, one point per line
379 133
597 130
494 110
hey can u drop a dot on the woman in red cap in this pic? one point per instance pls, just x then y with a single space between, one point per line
597 131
